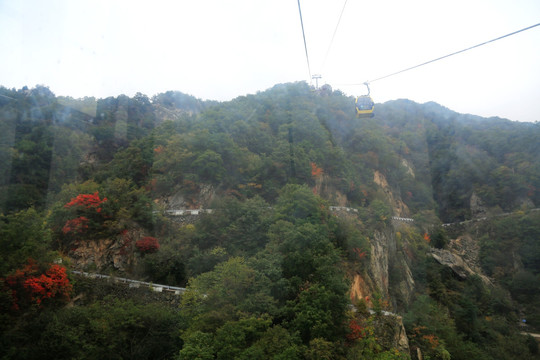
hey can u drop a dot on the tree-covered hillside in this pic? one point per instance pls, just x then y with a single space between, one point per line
296 244
256 144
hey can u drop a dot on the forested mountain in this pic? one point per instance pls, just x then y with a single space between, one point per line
313 218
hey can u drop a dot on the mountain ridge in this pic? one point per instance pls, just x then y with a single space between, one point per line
95 192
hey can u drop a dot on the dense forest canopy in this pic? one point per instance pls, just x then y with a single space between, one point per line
268 268
270 139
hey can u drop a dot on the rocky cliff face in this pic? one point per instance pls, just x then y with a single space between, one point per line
389 271
478 209
462 256
388 262
99 254
179 200
388 274
109 253
390 332
378 267
399 207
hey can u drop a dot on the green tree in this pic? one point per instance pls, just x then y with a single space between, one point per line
209 166
215 297
197 345
316 300
23 235
108 329
298 204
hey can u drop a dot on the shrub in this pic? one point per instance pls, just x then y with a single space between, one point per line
30 285
147 245
88 201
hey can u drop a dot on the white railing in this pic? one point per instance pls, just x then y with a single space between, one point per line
342 208
402 219
134 283
195 212
185 212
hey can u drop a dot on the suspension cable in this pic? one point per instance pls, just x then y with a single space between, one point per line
445 56
8 97
304 36
333 36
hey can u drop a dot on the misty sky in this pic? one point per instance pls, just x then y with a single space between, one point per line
220 49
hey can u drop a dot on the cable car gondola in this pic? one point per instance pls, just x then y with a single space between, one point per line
364 105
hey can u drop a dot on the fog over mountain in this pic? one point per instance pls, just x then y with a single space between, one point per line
274 225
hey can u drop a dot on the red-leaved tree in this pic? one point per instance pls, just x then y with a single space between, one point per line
87 201
31 285
147 245
77 225
356 330
89 208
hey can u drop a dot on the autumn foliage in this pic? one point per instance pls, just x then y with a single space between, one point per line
361 254
33 286
126 242
89 205
315 170
77 225
147 245
87 201
356 330
419 335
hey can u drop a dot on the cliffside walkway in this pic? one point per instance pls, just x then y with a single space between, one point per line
195 212
134 283
483 218
536 336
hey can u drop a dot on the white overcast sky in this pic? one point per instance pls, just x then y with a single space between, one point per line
221 49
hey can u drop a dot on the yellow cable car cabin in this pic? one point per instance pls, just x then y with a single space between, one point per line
364 106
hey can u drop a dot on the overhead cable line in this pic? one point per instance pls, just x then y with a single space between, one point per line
333 36
304 35
9 97
445 56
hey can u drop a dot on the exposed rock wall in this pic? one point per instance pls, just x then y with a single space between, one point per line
99 254
398 206
390 332
378 265
178 200
114 252
462 255
477 206
388 273
361 288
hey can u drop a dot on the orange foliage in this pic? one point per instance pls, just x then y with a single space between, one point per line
432 340
31 286
255 185
89 204
87 201
356 330
361 254
316 171
426 237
